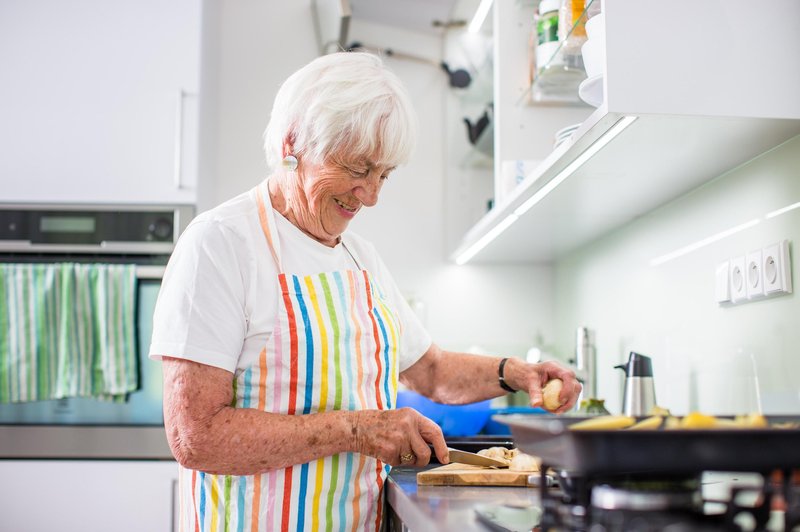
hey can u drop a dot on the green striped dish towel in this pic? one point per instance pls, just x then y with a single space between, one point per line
67 330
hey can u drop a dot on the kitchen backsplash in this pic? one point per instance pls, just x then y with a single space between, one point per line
707 357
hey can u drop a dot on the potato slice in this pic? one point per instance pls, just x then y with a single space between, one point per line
751 421
649 423
551 394
696 420
604 423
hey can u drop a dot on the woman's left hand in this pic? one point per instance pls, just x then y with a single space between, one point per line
532 378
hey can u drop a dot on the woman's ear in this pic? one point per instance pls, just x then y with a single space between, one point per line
288 145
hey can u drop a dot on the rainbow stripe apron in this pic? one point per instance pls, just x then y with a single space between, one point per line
334 347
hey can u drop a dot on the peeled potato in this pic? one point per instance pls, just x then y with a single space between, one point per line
551 393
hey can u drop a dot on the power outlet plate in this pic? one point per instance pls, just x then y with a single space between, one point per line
760 273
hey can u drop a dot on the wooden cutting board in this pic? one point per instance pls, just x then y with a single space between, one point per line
469 475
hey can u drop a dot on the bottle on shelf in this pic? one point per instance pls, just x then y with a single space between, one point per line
559 64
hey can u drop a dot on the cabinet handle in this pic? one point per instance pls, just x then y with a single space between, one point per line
172 505
179 141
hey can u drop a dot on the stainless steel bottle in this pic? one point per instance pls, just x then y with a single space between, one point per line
640 393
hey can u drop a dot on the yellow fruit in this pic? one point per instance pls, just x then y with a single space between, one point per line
696 420
649 423
672 422
551 393
604 423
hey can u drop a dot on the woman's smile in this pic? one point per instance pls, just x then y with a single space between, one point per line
349 211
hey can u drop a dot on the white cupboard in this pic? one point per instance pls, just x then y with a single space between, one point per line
99 100
89 495
692 90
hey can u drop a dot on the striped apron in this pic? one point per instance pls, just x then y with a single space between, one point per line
334 347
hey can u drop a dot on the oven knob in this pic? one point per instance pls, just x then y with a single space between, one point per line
161 229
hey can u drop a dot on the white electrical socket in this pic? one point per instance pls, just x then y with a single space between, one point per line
754 275
760 273
738 278
777 268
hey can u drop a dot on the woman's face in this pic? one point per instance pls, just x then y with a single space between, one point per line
329 195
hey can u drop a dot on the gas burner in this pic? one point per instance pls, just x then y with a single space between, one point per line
643 503
645 498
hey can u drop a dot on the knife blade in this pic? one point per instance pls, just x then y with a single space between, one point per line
464 457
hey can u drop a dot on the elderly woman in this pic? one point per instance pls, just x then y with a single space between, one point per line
283 336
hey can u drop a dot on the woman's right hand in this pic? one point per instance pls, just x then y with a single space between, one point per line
389 435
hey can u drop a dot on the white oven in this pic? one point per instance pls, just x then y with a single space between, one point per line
79 427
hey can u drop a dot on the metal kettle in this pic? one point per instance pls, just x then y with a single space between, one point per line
640 392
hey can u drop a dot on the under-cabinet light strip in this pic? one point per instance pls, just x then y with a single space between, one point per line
570 169
480 16
485 239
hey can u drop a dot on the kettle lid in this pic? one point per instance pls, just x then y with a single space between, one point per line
638 366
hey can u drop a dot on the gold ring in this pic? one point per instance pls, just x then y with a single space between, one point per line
408 457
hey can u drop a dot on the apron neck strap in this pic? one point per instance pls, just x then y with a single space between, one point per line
267 218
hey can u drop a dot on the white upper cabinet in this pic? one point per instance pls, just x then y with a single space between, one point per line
99 100
691 90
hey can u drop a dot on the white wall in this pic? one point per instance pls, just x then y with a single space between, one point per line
258 44
705 355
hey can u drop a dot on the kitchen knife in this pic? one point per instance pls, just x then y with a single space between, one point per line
463 457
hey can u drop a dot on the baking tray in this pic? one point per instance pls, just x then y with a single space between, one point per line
599 452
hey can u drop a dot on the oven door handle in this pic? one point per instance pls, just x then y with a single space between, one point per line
137 247
15 245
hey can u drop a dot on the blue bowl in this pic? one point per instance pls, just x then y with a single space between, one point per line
454 420
501 429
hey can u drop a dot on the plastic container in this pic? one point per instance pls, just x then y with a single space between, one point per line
454 420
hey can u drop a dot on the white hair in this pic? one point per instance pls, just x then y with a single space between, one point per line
342 104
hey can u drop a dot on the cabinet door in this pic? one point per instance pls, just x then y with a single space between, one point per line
123 496
99 100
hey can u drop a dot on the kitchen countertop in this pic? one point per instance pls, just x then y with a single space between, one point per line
447 508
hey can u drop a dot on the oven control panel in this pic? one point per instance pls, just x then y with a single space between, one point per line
103 227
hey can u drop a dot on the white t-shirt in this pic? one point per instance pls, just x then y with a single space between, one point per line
219 297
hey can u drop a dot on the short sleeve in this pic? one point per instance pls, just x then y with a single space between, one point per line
200 312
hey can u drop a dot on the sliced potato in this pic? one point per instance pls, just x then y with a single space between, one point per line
751 421
498 453
649 423
659 411
604 423
524 462
696 420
